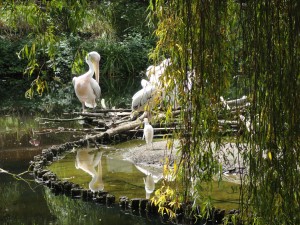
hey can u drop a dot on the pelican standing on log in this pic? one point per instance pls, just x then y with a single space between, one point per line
87 89
152 91
143 97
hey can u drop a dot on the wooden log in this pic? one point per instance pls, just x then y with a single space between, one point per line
155 129
112 110
66 130
237 102
99 113
228 122
62 120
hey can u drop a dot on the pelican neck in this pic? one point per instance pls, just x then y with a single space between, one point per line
91 67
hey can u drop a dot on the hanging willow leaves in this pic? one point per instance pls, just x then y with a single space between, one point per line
213 46
193 35
42 21
271 41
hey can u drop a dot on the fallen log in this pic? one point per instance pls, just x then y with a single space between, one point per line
237 102
99 113
62 120
66 130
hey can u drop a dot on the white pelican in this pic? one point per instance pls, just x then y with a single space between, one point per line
86 88
151 92
148 133
154 72
144 97
224 103
87 161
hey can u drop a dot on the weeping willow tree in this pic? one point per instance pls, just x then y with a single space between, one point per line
271 60
209 43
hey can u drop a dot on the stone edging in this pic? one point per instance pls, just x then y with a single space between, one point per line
138 206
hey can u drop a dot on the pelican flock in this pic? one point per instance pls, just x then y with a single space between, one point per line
151 90
87 89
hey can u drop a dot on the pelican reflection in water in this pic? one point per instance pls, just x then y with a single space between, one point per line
88 159
151 179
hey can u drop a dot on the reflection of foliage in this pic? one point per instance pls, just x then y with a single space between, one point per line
70 211
9 194
14 130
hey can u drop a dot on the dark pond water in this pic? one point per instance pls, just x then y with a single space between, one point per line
26 202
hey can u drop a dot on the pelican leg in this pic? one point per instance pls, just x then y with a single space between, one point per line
83 109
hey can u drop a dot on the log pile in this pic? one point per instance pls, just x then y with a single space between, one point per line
118 123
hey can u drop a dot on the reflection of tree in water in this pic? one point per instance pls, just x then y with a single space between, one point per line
70 211
25 131
9 194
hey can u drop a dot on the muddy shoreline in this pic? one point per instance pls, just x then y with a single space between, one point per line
153 159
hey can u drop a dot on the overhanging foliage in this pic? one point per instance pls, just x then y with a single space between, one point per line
210 44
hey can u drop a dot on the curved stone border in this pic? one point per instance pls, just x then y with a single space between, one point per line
137 206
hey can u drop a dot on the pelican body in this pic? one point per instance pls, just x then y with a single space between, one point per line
148 133
87 89
144 96
151 93
155 72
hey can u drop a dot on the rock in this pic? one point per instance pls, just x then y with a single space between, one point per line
134 203
49 176
100 197
67 187
123 202
87 195
110 199
151 208
47 153
76 192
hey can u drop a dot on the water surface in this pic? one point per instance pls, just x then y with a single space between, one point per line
26 202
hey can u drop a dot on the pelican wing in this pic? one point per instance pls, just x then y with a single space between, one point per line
96 88
92 92
143 97
144 83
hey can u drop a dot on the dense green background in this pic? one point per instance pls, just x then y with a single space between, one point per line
51 39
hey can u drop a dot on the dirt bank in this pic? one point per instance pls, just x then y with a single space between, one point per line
152 159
